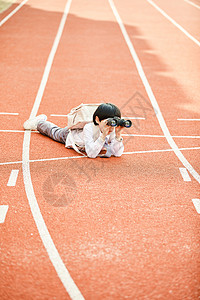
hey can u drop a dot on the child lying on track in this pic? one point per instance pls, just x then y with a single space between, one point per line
94 137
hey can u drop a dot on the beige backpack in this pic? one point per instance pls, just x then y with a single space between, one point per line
81 115
78 117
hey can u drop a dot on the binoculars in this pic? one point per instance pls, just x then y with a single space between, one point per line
114 122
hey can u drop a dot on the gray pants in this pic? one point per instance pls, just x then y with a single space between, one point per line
53 131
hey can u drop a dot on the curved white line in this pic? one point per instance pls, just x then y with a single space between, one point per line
192 3
152 97
54 256
12 12
175 23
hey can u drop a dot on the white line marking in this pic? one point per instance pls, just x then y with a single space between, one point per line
188 119
162 136
3 212
43 159
184 174
176 24
12 131
54 256
195 5
12 12
49 63
152 97
54 115
162 150
10 163
13 178
74 157
17 131
11 114
196 203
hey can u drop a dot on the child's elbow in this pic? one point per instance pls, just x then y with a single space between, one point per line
118 154
90 154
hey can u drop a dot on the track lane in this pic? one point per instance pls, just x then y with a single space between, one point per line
152 98
171 77
20 75
93 224
183 14
104 238
21 248
48 243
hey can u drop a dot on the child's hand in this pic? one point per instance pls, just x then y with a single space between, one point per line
118 131
105 129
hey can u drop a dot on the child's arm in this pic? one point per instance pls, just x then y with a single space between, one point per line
116 145
92 148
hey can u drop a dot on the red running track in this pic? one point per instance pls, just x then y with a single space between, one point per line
124 228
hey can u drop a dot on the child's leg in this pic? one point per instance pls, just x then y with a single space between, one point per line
49 129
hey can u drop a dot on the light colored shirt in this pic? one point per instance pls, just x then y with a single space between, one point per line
90 139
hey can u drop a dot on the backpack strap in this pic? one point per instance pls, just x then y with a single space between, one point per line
75 147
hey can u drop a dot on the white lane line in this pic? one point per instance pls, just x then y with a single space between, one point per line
7 113
143 135
196 203
152 98
12 12
10 163
74 157
175 23
13 178
162 136
17 131
54 115
54 256
192 3
188 119
184 174
3 212
13 131
43 159
49 62
162 150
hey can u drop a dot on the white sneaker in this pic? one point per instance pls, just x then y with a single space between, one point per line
31 124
